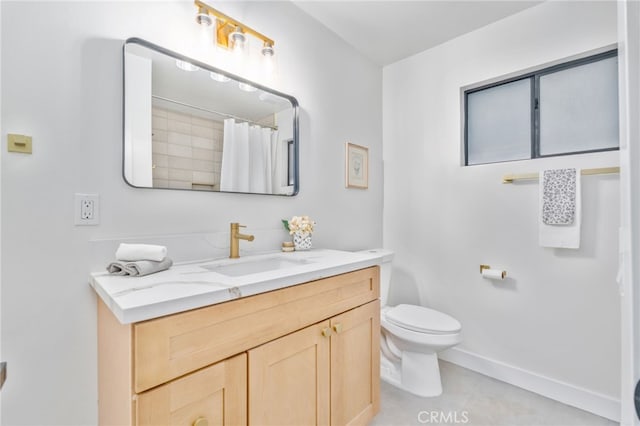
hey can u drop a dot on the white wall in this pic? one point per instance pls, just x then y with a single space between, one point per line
558 313
62 84
1 155
629 33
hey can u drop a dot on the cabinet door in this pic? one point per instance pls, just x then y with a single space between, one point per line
289 379
217 394
355 365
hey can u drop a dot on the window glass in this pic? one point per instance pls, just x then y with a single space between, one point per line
499 123
564 109
579 108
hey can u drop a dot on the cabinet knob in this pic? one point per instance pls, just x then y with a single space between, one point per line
200 421
337 328
326 332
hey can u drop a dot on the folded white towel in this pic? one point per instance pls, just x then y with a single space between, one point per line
133 252
139 268
561 235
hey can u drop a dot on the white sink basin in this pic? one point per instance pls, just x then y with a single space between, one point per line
240 268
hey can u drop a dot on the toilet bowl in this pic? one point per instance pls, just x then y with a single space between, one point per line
411 337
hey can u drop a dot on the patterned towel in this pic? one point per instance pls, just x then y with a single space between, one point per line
559 196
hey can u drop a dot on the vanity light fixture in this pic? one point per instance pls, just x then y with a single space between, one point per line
203 17
237 40
186 66
218 77
230 34
268 61
267 49
269 98
246 87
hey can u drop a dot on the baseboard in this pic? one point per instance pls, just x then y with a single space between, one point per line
593 402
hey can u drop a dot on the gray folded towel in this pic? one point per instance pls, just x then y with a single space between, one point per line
139 268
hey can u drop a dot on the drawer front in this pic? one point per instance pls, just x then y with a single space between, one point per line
169 347
216 394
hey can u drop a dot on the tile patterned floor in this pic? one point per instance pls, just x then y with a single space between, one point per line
474 399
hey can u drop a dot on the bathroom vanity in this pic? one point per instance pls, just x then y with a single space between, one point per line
302 348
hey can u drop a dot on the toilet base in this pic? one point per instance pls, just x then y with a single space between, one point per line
417 373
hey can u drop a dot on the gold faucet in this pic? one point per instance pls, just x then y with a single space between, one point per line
236 236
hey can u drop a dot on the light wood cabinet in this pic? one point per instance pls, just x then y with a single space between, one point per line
324 374
302 355
289 379
355 365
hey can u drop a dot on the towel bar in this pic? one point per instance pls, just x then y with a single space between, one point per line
584 172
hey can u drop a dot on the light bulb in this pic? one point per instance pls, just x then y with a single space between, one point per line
270 98
246 87
238 39
268 65
267 49
238 48
219 77
186 66
203 17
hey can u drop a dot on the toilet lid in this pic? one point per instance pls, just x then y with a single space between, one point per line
421 319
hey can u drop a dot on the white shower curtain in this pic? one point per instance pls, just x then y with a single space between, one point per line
278 171
247 158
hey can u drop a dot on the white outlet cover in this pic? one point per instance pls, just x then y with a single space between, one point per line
90 214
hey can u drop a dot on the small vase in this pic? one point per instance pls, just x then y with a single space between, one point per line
302 241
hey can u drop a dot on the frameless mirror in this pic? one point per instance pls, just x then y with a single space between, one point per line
188 125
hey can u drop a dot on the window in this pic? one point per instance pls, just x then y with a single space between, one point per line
565 109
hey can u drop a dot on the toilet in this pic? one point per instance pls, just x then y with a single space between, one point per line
411 337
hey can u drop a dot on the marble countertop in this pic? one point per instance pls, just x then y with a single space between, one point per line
191 285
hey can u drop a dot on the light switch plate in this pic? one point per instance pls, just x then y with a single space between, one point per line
19 143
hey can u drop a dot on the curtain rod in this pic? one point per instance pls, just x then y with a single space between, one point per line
224 114
584 172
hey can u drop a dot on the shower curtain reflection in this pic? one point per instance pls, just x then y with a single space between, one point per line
250 159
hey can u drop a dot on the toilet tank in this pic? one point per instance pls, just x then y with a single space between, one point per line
385 272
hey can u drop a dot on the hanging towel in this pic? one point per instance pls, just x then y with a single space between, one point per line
133 252
558 196
139 268
560 208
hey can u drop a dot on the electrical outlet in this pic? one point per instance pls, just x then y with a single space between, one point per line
86 209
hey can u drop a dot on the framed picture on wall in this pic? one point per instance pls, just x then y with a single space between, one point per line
357 165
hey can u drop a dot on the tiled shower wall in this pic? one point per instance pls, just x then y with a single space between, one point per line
187 151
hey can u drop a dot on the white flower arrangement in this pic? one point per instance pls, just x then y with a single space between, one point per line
301 225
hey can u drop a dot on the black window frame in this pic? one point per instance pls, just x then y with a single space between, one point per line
534 78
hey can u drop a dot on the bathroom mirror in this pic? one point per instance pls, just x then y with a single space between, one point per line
188 125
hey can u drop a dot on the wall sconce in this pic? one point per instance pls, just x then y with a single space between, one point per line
230 34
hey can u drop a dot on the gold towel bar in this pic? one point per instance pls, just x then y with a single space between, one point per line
530 176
